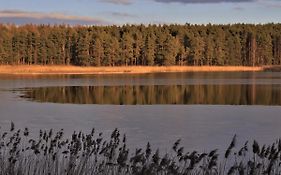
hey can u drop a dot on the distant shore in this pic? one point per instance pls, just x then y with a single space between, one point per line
57 69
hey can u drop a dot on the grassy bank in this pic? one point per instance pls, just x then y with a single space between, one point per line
90 153
120 70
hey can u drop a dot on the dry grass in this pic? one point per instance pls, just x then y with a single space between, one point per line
26 69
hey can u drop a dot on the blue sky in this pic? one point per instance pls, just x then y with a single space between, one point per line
107 12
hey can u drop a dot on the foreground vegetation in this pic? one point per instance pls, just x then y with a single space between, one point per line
91 153
152 45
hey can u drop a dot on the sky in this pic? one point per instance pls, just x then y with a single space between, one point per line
119 12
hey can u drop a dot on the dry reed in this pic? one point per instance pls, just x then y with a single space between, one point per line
51 153
56 69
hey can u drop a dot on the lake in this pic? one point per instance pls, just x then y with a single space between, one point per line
205 110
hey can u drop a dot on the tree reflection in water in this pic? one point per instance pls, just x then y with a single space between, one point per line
242 94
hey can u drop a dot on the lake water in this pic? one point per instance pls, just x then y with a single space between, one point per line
205 110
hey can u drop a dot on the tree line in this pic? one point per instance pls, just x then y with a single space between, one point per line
196 45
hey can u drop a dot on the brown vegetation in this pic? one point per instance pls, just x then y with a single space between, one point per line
122 69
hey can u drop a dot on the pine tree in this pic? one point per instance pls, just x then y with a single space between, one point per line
149 50
137 48
83 54
127 49
209 51
197 49
171 49
277 50
252 48
219 49
98 52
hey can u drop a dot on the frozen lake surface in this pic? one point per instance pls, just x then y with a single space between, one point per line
205 110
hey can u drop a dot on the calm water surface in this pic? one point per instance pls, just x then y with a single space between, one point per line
203 109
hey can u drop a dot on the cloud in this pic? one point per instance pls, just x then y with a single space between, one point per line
271 3
122 2
23 17
126 15
238 8
202 1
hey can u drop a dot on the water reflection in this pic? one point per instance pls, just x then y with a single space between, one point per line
242 94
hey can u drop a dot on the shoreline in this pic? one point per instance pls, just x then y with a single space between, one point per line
77 70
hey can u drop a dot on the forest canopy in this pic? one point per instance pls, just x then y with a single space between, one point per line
194 45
